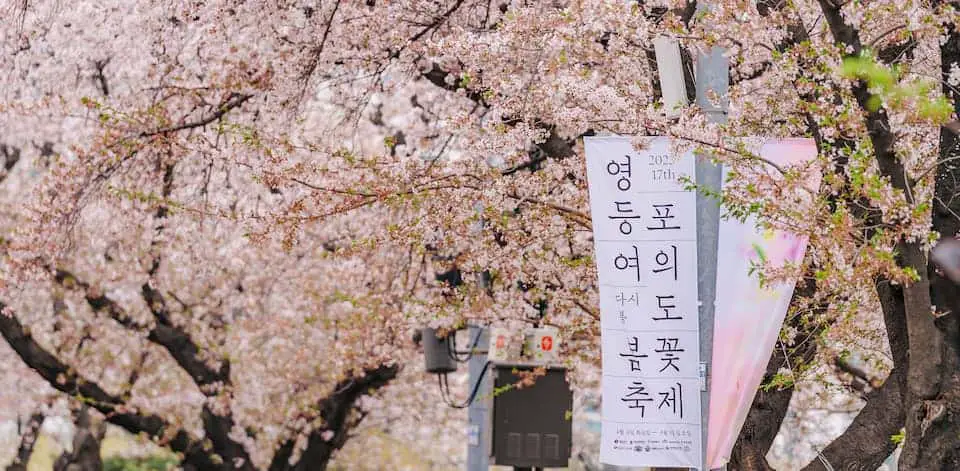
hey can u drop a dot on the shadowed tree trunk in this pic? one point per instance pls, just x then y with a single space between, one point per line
770 407
933 412
29 432
85 455
339 417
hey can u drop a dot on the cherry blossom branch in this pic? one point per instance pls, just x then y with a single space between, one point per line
174 339
436 23
65 379
335 411
725 149
181 346
594 313
576 216
368 198
235 100
28 438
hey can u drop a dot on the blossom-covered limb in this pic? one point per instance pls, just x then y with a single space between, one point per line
335 411
235 100
29 432
65 379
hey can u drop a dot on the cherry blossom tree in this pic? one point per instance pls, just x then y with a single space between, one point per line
224 218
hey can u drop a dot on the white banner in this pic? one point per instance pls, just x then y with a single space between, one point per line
644 228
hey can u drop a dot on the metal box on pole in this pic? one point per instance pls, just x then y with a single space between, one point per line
438 352
531 426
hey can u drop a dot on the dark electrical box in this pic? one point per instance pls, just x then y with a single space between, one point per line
531 426
438 352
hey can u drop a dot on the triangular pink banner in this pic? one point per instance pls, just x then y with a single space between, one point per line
748 318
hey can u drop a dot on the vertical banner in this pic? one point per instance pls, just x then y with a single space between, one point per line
644 229
748 317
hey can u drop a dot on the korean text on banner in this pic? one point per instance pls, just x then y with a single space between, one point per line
644 227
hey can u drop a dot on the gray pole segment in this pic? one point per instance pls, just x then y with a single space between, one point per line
712 74
713 79
477 448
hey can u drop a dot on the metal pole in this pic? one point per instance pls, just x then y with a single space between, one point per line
712 79
477 447
712 72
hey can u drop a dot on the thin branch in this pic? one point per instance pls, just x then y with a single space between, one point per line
235 101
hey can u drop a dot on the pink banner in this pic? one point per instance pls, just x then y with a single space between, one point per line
748 318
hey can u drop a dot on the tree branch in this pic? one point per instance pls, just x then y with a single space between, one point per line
29 433
334 411
866 443
65 379
234 101
174 339
437 76
181 346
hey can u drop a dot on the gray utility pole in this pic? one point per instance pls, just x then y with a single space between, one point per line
712 80
478 435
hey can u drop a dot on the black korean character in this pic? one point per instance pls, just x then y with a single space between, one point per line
623 262
628 298
672 399
633 354
662 217
666 303
667 260
637 396
669 352
625 215
623 169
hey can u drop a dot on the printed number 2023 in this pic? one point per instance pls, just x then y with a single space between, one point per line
660 160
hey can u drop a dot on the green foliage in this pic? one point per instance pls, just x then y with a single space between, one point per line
502 389
465 80
899 437
780 381
152 463
895 92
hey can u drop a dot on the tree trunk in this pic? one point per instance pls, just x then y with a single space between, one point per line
29 433
85 455
335 410
933 409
